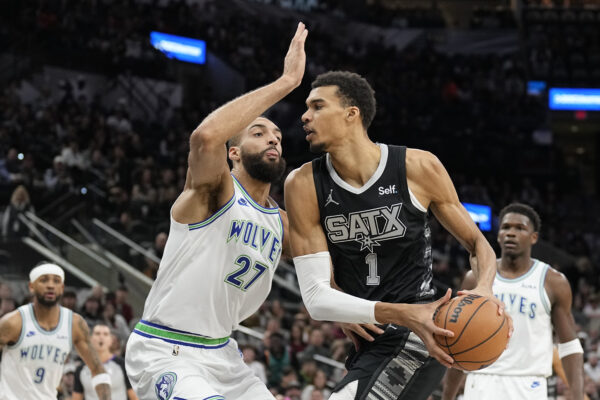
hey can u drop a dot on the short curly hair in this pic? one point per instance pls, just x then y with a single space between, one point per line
353 90
523 209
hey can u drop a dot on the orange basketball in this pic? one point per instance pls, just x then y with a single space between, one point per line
480 334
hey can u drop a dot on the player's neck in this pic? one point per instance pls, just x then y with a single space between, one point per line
511 267
47 317
258 190
356 160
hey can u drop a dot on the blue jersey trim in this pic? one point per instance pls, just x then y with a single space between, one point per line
42 330
180 343
214 217
166 328
22 330
264 210
543 294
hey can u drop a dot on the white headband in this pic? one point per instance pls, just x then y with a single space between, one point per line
46 269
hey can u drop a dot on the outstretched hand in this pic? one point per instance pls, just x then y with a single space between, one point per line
419 319
295 59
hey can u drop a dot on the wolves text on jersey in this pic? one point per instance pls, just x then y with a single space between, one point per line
367 227
256 237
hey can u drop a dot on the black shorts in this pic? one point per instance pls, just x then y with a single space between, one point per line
396 366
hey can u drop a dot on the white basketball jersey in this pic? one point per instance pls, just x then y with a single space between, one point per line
529 350
215 273
33 367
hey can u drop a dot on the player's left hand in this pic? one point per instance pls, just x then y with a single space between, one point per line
352 331
484 291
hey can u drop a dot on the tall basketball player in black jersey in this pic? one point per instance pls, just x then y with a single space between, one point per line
362 208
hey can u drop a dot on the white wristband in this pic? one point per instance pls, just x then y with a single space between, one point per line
100 379
568 348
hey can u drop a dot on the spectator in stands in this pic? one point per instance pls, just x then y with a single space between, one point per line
319 384
160 241
249 354
121 305
277 358
69 300
116 322
7 304
92 311
20 203
592 368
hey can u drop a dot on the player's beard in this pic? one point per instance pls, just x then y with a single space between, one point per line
47 303
261 170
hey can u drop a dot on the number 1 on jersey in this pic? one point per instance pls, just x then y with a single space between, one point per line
372 278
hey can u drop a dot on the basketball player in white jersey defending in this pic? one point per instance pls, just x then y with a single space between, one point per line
37 338
539 299
224 244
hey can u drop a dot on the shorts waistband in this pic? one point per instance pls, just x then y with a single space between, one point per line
170 335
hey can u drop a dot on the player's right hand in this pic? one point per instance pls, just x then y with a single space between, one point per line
419 319
295 59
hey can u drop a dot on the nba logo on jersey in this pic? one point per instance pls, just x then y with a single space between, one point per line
164 385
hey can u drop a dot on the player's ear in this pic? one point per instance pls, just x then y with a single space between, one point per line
534 238
352 113
234 153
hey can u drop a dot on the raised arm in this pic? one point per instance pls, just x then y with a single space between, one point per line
431 183
81 341
569 348
313 268
208 172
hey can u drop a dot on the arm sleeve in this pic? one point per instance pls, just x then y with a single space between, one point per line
322 301
77 386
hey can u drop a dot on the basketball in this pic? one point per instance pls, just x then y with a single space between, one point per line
480 334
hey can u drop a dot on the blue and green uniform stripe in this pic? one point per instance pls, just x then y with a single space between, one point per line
170 335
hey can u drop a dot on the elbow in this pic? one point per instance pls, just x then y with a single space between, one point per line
316 311
203 137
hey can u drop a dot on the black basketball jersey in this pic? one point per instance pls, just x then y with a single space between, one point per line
379 242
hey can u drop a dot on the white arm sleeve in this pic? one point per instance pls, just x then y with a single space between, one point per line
325 303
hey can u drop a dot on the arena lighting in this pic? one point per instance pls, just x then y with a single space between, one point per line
481 215
574 99
535 88
179 47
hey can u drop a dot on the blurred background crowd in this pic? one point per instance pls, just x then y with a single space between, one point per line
95 123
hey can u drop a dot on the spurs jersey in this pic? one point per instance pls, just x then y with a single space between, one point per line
214 273
32 368
378 235
529 350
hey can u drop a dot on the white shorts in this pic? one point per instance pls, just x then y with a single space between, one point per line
161 370
503 387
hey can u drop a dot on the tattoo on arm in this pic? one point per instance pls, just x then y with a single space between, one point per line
95 365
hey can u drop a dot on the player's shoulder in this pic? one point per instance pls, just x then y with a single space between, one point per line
422 162
300 175
556 281
11 323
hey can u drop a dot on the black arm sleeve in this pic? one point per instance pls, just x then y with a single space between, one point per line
78 387
121 363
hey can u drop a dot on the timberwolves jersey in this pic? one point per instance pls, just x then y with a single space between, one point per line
214 273
32 368
378 235
529 350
